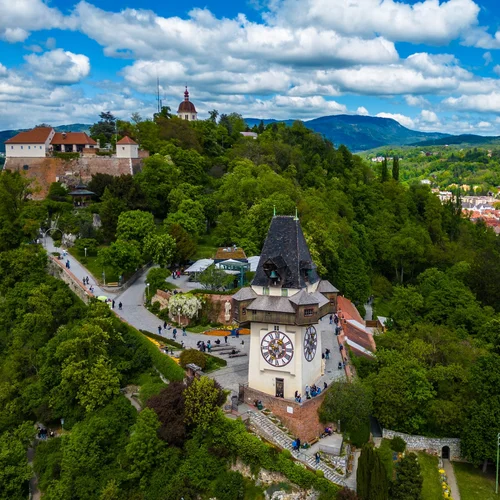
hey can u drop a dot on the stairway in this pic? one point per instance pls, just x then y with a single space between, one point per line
276 435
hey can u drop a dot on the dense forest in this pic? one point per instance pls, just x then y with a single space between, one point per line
436 274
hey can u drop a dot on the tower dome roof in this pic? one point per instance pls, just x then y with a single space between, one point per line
186 106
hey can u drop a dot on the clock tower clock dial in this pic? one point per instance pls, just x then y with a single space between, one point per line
277 348
310 343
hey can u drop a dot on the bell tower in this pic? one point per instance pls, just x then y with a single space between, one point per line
283 306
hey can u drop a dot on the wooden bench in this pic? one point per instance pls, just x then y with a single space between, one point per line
112 284
238 355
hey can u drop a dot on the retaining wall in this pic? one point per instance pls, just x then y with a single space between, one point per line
45 171
434 446
300 418
57 269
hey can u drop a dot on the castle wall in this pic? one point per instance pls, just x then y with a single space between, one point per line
300 418
45 171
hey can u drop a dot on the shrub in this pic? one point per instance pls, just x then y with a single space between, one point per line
164 340
320 473
230 486
398 444
164 364
66 156
361 435
86 243
155 307
346 494
193 356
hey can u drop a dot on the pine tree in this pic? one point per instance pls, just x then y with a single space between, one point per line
365 467
408 484
384 175
379 483
395 168
261 127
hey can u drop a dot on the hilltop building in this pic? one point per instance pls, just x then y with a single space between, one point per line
187 110
41 141
127 148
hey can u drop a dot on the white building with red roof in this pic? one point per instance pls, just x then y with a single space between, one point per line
127 148
40 141
30 144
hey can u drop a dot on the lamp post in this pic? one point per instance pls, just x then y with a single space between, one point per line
85 251
498 456
147 291
179 314
104 277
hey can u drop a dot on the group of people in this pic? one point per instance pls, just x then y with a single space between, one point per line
314 390
176 274
43 433
326 354
204 347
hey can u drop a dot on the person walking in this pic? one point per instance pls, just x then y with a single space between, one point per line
113 304
327 353
184 333
318 457
120 306
174 333
331 319
159 329
225 339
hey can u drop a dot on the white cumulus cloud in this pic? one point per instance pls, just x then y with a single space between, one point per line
59 66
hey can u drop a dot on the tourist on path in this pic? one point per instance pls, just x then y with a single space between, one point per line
159 330
318 457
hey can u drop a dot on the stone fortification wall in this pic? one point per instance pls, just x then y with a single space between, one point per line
45 171
56 268
433 446
300 418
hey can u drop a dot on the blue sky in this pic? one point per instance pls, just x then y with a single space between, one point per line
431 65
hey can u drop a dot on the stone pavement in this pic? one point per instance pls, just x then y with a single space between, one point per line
452 480
272 432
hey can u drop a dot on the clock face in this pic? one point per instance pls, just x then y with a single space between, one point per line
310 343
277 348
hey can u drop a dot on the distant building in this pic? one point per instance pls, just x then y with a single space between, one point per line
127 148
253 135
40 141
186 110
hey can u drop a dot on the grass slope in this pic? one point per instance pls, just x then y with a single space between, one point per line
431 489
473 484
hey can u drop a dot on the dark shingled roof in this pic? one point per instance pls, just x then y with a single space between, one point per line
326 287
285 251
308 299
245 293
271 303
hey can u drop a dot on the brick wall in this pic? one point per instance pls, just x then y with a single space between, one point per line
45 171
303 422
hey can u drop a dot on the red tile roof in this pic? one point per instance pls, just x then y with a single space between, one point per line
126 140
72 138
35 136
347 310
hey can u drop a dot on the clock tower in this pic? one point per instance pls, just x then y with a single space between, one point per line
283 306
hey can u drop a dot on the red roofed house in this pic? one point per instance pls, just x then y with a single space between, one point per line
127 148
33 143
36 143
357 335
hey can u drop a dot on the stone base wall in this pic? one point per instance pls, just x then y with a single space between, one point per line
302 421
434 446
45 171
215 308
57 269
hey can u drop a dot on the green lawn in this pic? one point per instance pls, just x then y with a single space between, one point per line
93 266
206 248
431 489
473 484
150 384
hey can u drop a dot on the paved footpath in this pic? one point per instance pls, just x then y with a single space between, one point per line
135 313
452 480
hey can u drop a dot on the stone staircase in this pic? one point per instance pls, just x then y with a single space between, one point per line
277 436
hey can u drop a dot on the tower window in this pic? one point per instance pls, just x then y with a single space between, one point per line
186 117
243 311
284 292
265 290
308 312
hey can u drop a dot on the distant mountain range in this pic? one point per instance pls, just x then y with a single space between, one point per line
360 133
72 127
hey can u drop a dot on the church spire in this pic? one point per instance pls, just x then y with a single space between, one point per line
186 94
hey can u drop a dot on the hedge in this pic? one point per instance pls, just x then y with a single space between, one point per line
165 365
